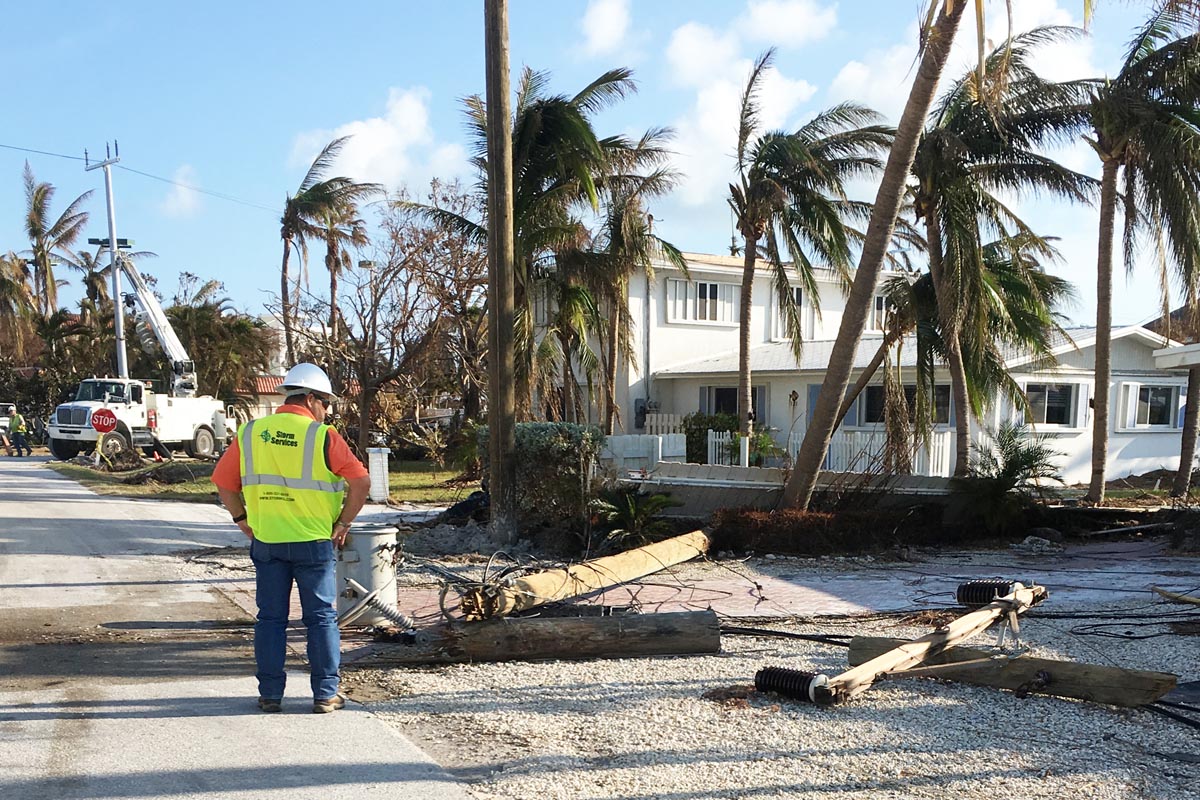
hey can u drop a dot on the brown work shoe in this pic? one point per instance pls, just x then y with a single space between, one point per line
269 705
329 704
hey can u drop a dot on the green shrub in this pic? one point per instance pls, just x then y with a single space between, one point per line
696 427
553 471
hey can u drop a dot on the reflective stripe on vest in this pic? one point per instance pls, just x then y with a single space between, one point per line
290 496
305 481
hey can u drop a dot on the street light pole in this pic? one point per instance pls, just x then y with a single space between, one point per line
501 316
114 256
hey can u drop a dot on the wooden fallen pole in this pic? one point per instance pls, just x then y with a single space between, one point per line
559 638
858 679
531 591
1093 682
1175 597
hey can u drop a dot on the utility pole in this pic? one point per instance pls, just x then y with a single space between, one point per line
111 158
501 317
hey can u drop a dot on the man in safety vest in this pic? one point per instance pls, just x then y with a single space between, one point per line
18 429
293 487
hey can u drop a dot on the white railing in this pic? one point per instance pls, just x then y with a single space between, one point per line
659 424
862 451
641 451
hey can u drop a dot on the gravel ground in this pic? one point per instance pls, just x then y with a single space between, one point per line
635 729
641 728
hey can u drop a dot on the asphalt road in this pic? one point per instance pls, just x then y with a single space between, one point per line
121 677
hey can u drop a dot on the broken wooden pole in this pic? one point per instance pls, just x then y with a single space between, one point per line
858 679
558 638
1026 674
531 591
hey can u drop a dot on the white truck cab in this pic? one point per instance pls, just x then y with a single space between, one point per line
197 425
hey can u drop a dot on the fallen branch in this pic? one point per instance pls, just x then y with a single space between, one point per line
534 638
1026 674
530 591
1131 529
1176 598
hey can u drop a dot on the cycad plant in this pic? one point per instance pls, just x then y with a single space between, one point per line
630 518
1003 478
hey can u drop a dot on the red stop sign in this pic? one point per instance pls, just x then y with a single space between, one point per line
104 421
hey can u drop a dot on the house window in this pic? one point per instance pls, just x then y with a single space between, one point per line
724 400
779 330
1156 405
1051 403
872 407
702 301
541 305
881 309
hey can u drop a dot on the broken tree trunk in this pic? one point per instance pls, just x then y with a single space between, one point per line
1025 674
530 591
857 680
530 639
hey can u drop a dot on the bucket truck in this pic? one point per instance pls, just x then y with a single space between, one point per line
129 413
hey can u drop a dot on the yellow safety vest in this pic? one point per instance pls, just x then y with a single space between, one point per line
290 493
17 422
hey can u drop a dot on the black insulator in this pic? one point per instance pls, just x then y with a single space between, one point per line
789 682
979 593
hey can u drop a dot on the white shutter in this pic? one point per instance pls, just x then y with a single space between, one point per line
1081 405
1017 410
1127 413
672 300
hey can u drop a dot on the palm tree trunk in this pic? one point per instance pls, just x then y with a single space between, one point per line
286 305
865 378
332 262
946 301
568 382
1104 266
610 370
1187 445
745 393
799 488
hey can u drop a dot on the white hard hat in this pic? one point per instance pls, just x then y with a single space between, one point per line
306 378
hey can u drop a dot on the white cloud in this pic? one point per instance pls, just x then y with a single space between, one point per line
788 23
182 201
605 26
712 64
395 149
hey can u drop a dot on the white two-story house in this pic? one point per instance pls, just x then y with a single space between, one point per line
687 345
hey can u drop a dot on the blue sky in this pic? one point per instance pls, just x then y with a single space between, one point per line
236 98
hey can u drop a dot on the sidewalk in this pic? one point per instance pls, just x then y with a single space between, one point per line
189 740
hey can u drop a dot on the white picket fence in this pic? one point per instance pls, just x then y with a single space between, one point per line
862 451
642 451
720 448
660 424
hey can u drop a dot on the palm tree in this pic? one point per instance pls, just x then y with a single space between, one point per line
937 35
340 228
970 150
16 299
791 190
560 166
1147 136
315 200
46 237
627 245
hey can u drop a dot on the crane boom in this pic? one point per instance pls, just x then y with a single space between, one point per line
183 369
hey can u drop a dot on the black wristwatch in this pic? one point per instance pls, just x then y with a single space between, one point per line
240 517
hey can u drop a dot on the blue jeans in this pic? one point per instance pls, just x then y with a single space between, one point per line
311 566
20 443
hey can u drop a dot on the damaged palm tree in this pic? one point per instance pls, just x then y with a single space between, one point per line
501 599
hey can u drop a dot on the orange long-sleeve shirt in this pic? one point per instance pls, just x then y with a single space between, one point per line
338 456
